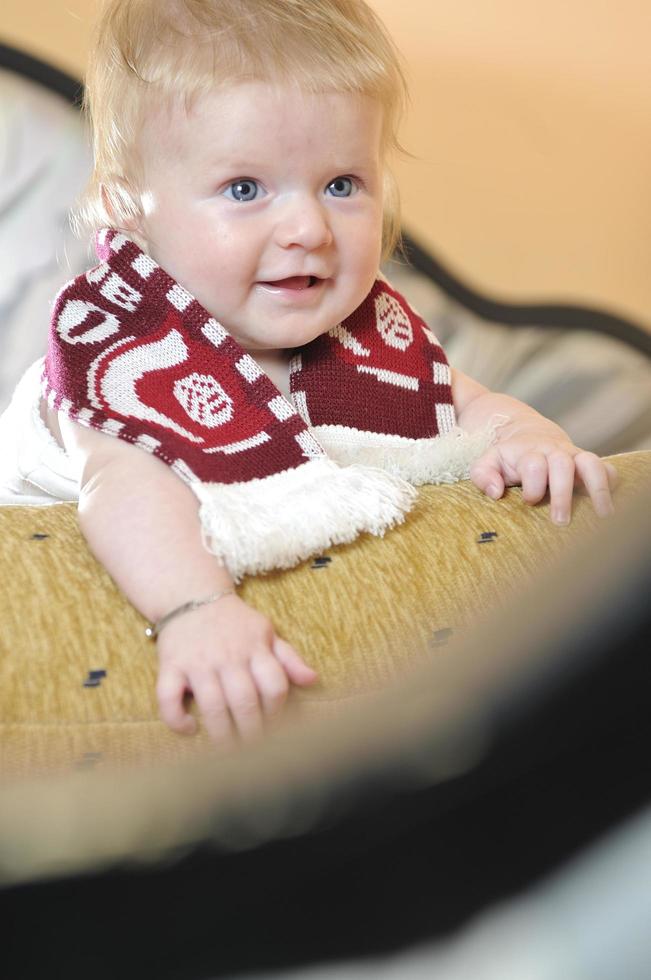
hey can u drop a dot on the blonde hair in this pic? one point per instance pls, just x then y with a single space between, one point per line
146 50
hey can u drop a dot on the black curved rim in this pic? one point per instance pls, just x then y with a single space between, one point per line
552 315
39 71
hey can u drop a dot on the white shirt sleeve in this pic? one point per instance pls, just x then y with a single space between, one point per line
34 468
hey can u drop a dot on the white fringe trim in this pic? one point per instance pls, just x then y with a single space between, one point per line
280 520
444 459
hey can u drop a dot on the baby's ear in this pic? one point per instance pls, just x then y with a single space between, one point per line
121 202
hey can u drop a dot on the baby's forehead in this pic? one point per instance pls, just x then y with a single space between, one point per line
245 116
193 103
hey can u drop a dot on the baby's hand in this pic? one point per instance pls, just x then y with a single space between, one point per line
228 656
539 455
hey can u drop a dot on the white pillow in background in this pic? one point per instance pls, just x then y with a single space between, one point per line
45 161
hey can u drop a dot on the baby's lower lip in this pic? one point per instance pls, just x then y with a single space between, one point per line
292 282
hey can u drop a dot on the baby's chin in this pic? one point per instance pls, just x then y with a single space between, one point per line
275 339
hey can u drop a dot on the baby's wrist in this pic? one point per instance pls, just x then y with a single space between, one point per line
193 581
154 629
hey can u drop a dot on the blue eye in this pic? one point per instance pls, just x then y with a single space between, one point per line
341 187
243 190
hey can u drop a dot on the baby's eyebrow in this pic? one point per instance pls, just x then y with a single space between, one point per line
351 166
255 167
237 165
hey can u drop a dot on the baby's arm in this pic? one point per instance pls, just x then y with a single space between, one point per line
530 450
141 521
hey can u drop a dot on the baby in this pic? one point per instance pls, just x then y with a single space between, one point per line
234 384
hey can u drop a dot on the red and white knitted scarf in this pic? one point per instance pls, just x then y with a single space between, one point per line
133 354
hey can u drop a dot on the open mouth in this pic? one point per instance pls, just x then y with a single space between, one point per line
293 282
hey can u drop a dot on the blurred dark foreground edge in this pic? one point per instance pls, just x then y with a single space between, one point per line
400 847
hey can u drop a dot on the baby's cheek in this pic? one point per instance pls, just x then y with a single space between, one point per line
363 273
370 249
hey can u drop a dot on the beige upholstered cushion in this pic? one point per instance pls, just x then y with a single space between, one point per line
77 673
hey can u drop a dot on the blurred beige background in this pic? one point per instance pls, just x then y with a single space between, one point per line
530 127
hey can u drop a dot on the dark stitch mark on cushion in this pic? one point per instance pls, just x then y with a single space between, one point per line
94 678
442 636
321 562
89 760
40 537
486 536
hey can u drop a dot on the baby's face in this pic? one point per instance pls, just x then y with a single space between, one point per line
266 204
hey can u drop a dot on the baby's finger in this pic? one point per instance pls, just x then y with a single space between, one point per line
170 691
212 706
296 668
486 474
613 475
242 699
561 486
534 474
271 681
596 480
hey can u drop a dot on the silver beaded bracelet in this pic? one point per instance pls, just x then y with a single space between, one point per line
154 629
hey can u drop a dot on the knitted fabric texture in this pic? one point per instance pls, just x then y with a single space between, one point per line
133 354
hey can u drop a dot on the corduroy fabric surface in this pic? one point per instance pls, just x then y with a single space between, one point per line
77 674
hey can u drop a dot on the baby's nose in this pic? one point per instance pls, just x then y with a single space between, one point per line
304 222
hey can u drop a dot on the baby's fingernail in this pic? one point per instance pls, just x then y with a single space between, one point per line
493 491
560 517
